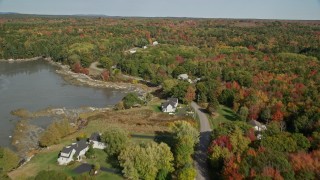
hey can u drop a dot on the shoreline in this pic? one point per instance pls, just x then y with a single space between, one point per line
79 79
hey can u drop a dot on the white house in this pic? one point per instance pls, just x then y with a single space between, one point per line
132 51
73 152
77 150
155 43
183 77
95 140
170 105
257 125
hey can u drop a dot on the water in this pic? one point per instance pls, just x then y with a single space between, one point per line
34 85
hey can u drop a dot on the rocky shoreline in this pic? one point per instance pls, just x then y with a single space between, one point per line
82 79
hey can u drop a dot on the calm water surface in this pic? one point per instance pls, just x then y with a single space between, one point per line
35 85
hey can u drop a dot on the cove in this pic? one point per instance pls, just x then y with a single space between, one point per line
34 85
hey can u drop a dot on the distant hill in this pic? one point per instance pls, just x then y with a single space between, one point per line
8 13
91 15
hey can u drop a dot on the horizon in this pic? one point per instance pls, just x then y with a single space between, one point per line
213 9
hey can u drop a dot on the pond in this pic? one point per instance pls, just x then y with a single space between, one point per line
34 85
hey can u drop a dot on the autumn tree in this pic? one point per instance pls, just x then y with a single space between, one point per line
190 94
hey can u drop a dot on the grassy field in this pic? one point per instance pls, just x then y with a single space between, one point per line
144 125
47 160
223 114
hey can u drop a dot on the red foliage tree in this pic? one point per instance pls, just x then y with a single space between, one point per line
105 75
251 135
301 161
277 116
191 94
222 141
84 71
179 59
231 168
254 112
77 67
272 173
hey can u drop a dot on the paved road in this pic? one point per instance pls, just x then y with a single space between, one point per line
201 153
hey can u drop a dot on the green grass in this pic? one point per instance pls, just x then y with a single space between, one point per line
224 114
156 108
48 161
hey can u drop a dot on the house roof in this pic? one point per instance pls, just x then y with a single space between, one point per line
174 100
95 137
67 149
170 101
255 123
183 76
78 146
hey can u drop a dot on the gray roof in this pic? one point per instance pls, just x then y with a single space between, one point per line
255 123
95 137
78 146
67 149
171 101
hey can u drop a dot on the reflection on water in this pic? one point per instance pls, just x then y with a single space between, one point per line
34 85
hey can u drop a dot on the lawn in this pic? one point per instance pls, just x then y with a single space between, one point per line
47 160
223 114
156 108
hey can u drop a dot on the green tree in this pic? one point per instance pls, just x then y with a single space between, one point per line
227 97
281 142
243 113
185 137
187 173
266 114
91 152
168 85
130 100
302 142
238 141
116 139
146 161
95 168
106 62
179 91
213 106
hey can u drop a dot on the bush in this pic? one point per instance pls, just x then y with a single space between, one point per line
130 100
8 160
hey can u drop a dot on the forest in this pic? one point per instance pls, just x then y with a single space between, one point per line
263 70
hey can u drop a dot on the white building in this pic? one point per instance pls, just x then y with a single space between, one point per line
76 151
170 105
132 51
257 125
95 140
183 77
73 152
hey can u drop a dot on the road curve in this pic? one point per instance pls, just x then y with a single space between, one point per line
201 162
